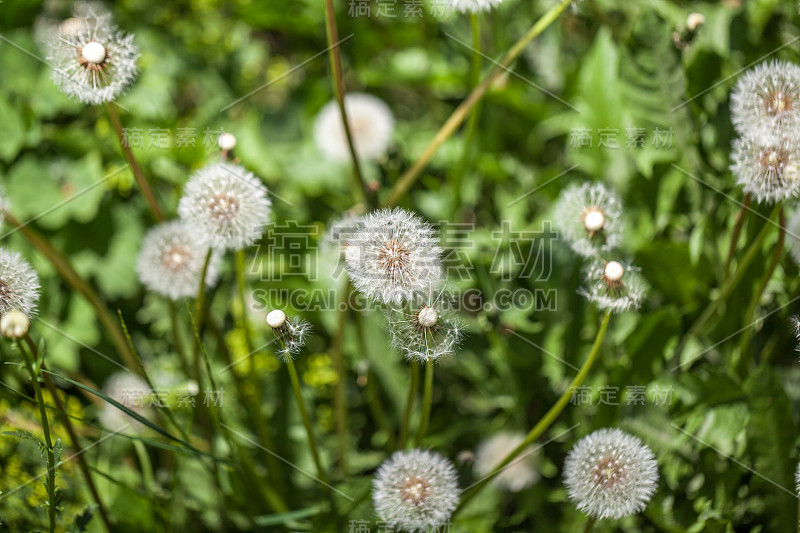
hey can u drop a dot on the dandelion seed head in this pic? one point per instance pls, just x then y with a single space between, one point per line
517 475
428 331
371 126
290 333
393 255
132 392
766 101
276 318
19 284
91 59
415 490
474 6
768 169
610 474
227 203
613 286
588 216
14 324
171 260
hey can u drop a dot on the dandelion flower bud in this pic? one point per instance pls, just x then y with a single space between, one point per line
290 333
227 141
371 126
92 60
19 284
610 474
766 168
131 391
766 101
14 324
171 260
428 332
393 255
474 6
613 285
517 475
589 218
227 203
415 490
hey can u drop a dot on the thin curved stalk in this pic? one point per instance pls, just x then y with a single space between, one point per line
590 525
458 116
199 314
412 392
472 125
737 230
298 396
425 415
547 420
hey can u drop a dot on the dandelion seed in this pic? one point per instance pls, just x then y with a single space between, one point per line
290 334
428 332
767 169
766 101
610 474
132 392
14 324
227 203
393 256
371 125
415 490
474 6
91 59
19 284
589 218
171 260
517 475
613 286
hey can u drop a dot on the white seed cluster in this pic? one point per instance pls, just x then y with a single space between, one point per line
290 333
610 474
19 284
765 102
371 126
588 217
14 324
474 6
427 330
520 474
613 286
768 169
415 490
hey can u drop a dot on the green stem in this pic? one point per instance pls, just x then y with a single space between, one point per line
312 441
340 397
472 125
590 525
176 336
412 392
425 415
547 419
737 230
199 314
51 457
458 116
373 398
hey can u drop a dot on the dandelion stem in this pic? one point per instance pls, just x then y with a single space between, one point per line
199 313
137 170
547 420
312 441
176 335
458 116
373 399
737 230
425 415
472 125
339 91
412 392
589 525
339 397
30 361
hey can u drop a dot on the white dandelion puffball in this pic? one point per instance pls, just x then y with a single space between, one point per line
290 334
426 332
91 59
613 286
19 284
393 255
520 474
474 6
371 126
589 218
767 169
171 260
227 203
415 490
610 474
766 101
131 391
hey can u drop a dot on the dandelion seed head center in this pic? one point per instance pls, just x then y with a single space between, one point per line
176 257
415 490
773 159
276 318
777 102
224 206
593 219
394 257
608 472
613 271
94 52
427 317
5 289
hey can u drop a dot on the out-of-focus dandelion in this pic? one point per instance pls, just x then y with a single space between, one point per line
769 169
766 102
474 6
613 286
371 126
610 474
415 490
19 284
131 391
426 332
517 475
588 216
290 334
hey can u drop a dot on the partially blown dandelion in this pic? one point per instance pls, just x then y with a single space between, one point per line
371 126
290 333
91 59
768 169
171 260
589 218
393 256
613 286
766 101
132 392
427 332
227 203
19 284
415 490
610 474
519 474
